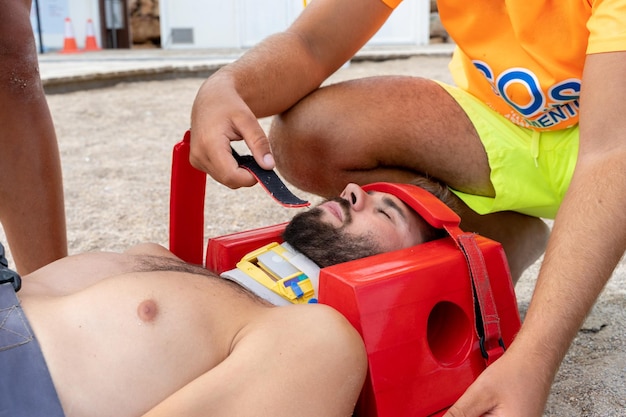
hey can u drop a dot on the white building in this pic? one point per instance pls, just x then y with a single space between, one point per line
188 24
243 23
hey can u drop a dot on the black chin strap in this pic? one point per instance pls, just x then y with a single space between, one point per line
270 181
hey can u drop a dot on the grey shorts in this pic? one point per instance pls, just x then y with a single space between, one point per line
26 388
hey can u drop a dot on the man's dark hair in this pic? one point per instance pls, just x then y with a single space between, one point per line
443 193
326 245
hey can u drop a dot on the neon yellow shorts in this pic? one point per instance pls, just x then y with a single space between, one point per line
530 171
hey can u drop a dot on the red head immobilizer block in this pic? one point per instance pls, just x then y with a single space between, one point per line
432 316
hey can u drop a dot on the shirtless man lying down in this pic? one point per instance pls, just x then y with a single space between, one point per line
142 333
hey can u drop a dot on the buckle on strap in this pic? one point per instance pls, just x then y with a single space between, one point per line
8 275
490 354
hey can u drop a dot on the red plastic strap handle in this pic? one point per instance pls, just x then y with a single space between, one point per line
491 343
187 193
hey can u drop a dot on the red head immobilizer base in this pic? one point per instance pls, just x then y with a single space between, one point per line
432 316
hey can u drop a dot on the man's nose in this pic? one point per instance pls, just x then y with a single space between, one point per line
355 195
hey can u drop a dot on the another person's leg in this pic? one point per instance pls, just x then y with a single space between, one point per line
31 191
523 238
388 128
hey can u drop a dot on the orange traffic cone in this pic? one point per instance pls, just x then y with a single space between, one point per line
91 44
69 42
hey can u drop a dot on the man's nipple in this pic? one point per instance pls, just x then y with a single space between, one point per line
147 310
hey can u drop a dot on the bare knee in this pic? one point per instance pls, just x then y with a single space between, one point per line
309 140
297 148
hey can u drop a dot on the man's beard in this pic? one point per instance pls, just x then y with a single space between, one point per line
324 244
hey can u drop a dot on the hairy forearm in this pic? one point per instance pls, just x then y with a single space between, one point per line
275 74
589 234
586 244
283 68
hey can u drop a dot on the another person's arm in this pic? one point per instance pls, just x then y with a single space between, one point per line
587 242
272 77
32 208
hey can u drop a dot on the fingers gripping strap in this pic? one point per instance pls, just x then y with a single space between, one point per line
270 181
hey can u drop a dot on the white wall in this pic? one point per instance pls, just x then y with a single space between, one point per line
221 23
409 24
243 23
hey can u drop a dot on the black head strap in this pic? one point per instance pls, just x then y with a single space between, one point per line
270 181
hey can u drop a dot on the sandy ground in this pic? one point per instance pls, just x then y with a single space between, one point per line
116 153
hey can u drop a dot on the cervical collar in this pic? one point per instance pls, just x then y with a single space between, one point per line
279 274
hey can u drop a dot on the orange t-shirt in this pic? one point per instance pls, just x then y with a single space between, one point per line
524 58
